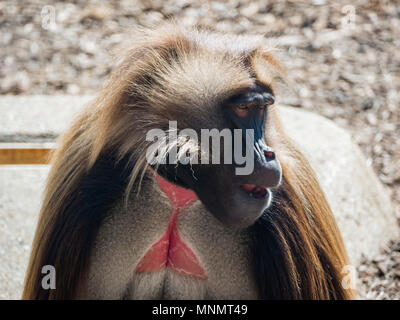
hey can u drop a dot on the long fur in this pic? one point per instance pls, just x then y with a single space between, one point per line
298 251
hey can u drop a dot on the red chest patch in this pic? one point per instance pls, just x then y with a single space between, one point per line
170 251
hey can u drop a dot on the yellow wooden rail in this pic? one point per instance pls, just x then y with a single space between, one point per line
25 153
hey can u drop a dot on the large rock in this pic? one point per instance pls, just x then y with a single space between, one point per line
21 189
360 203
37 118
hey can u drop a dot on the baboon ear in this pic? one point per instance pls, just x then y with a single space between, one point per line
266 67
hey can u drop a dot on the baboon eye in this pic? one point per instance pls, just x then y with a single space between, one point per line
241 110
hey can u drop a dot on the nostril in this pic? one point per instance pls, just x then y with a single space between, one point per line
270 155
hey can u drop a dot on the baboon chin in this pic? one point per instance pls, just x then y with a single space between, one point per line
119 222
236 194
236 201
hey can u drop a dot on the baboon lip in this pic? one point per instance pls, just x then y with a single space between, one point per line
255 191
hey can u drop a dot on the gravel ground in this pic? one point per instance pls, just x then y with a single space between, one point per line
342 57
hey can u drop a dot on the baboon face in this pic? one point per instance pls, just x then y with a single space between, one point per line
219 91
235 182
238 197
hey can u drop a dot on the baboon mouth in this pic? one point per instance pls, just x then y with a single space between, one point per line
255 191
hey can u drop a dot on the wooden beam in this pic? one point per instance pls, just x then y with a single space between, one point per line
25 153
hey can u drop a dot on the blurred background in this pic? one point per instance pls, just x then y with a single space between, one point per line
342 60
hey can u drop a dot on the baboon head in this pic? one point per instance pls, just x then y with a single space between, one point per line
188 84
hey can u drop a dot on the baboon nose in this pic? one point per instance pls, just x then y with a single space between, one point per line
269 155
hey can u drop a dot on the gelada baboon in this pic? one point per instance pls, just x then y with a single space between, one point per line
116 226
